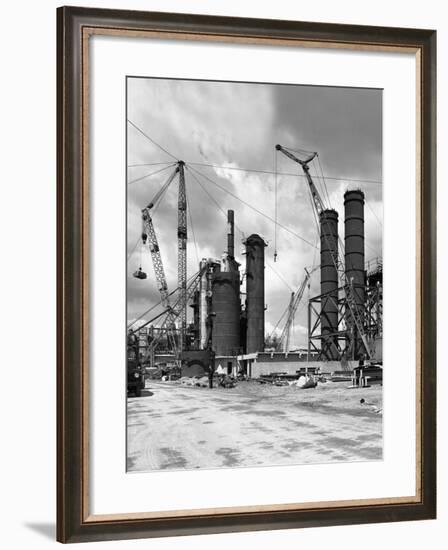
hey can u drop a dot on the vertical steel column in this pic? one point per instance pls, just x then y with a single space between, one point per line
182 254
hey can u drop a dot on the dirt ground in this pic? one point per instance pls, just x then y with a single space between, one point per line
174 427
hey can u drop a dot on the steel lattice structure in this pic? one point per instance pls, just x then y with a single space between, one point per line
182 254
344 342
149 235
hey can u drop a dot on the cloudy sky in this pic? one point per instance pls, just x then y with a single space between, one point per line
236 125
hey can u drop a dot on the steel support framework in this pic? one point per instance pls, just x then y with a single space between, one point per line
345 340
163 335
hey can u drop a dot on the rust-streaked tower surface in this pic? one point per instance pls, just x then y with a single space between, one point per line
329 283
354 256
226 302
255 293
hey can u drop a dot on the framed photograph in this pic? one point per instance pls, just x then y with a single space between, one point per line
246 274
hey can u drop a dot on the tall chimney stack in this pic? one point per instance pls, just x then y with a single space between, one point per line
230 234
255 293
226 301
354 256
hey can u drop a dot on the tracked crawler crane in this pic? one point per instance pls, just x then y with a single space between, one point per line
149 236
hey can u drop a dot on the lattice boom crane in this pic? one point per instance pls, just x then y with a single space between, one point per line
149 235
296 299
320 207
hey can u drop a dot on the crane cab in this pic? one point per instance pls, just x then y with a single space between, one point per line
140 274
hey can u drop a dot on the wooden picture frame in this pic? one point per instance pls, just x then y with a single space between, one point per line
75 26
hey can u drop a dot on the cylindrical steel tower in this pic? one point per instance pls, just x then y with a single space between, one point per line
255 293
329 283
354 259
226 307
226 303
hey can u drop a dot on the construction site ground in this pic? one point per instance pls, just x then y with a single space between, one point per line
172 427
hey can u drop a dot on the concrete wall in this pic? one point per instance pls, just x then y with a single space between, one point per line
326 367
281 357
229 364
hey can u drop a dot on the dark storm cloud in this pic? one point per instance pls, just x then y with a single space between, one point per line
343 124
238 125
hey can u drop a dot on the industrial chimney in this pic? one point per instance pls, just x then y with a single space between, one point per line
329 283
230 234
255 293
226 302
354 257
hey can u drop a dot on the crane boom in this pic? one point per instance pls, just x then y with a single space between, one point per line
296 299
286 334
149 236
317 199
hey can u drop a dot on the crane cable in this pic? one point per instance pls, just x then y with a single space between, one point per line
252 207
270 172
157 197
134 247
137 165
191 225
150 174
371 210
279 276
324 184
279 321
299 150
152 141
162 190
212 198
275 203
141 254
299 307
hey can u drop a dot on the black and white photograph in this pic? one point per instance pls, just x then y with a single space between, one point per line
232 225
254 274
